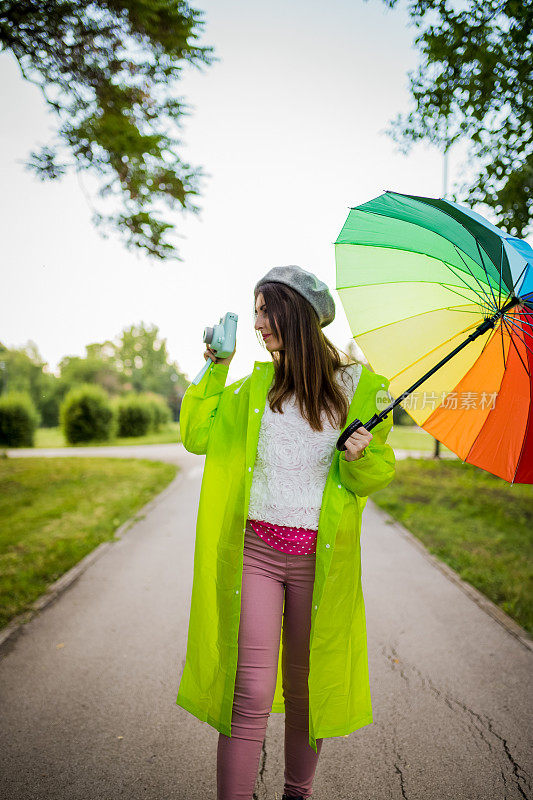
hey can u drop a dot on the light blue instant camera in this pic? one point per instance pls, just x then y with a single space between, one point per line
221 338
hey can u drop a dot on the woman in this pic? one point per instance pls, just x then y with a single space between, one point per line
277 616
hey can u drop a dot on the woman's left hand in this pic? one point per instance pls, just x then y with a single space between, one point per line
356 443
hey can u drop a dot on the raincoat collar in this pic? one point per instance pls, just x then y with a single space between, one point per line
262 375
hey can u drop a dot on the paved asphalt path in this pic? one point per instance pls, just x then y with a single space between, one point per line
88 688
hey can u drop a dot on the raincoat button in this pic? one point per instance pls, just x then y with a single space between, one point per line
316 606
339 486
236 591
327 545
257 411
257 367
383 385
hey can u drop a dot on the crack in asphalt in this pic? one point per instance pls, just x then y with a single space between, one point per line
476 723
398 759
262 767
400 773
515 765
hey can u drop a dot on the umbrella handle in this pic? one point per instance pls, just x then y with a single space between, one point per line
352 427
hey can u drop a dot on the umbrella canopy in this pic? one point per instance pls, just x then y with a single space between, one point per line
416 276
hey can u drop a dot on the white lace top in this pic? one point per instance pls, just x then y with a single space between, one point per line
293 461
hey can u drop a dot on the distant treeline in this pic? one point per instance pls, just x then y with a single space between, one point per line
136 362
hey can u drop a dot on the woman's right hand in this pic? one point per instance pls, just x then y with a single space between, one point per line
211 354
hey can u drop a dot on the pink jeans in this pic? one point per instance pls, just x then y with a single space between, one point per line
268 574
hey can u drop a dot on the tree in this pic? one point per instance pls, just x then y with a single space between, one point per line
475 82
76 370
108 70
139 358
23 370
142 356
20 369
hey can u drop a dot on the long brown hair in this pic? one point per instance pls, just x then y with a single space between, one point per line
306 366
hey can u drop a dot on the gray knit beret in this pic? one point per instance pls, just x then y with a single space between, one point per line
306 284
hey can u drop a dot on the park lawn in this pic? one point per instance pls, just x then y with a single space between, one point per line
402 437
411 437
53 511
475 522
53 437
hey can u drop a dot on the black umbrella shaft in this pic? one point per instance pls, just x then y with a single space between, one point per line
484 326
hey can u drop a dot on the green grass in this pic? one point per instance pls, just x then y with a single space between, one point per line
52 437
475 522
403 437
53 511
407 437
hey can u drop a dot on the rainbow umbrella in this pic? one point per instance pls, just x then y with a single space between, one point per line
437 295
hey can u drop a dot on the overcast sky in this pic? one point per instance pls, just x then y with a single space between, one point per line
288 124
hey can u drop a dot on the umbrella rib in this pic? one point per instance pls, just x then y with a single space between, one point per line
525 303
516 348
437 233
389 216
516 281
517 321
517 328
458 275
513 318
412 316
416 225
447 286
424 355
487 340
503 347
462 279
443 210
472 274
486 273
456 309
507 296
500 283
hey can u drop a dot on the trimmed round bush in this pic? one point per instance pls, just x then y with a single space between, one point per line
134 415
18 420
161 414
86 415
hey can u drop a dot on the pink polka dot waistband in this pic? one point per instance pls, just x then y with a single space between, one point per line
294 541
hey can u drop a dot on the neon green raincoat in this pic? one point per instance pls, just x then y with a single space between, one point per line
223 422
